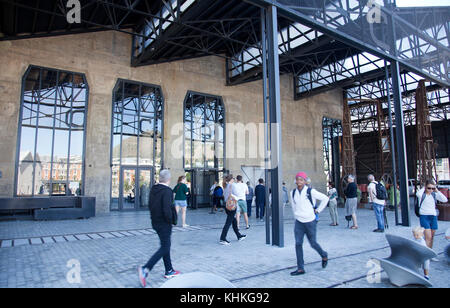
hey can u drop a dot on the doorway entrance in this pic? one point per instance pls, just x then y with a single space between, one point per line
135 185
201 183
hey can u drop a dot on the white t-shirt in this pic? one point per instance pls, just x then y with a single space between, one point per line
372 189
428 207
240 190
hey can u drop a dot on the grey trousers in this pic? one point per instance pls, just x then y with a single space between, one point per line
310 229
333 211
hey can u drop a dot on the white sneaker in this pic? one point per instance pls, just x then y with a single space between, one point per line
435 260
185 226
225 243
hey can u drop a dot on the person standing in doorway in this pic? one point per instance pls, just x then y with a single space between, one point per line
231 213
211 197
377 204
240 190
217 198
162 216
304 200
249 198
351 202
427 198
260 199
332 194
181 191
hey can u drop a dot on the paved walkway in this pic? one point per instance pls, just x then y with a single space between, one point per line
110 247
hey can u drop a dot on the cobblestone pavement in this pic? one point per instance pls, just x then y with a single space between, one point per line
110 247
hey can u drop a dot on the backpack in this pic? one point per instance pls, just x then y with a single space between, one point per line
418 205
218 192
381 191
308 194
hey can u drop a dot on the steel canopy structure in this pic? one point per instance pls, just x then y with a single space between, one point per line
323 44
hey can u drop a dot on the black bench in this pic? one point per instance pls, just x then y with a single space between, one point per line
52 208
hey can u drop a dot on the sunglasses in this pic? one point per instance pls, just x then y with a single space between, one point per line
430 188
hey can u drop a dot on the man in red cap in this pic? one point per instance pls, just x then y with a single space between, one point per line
304 200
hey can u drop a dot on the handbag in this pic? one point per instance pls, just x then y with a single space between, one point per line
231 204
174 216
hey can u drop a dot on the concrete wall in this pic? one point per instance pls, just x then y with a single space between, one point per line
105 56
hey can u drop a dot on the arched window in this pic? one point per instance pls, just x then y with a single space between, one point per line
137 149
52 125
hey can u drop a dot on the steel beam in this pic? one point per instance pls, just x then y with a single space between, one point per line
401 144
275 126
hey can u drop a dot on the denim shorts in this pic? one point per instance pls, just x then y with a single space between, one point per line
180 203
429 222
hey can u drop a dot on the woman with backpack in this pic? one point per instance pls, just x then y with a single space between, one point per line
377 201
427 197
230 209
181 191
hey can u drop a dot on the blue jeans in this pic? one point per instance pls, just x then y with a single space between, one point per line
249 207
259 210
310 229
379 209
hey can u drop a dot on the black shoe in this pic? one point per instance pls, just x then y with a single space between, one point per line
324 263
298 273
242 237
378 231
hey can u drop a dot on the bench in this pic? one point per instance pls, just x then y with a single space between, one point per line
52 208
403 267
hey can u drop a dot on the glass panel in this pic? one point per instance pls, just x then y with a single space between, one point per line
129 150
158 153
144 188
44 145
61 145
115 187
146 143
59 177
27 143
75 178
129 189
209 154
76 146
25 179
198 159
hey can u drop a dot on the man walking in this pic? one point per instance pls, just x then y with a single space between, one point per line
305 211
249 197
240 190
377 204
260 199
162 216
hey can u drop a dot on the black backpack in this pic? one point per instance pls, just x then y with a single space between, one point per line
418 205
381 192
